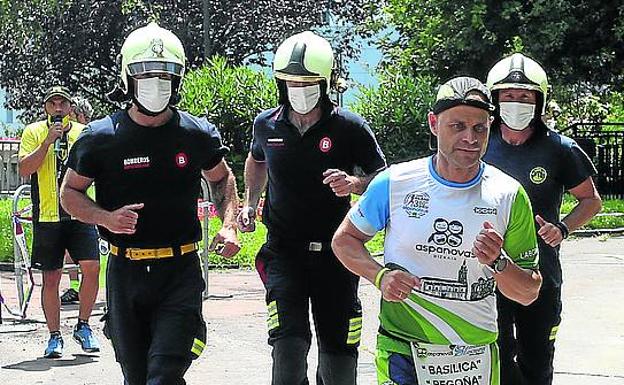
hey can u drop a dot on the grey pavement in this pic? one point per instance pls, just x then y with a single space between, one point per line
590 343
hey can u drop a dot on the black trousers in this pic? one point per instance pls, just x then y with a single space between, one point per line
154 317
294 278
527 356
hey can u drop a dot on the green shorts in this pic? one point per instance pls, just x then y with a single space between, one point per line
395 365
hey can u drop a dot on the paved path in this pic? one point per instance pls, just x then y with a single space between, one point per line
590 346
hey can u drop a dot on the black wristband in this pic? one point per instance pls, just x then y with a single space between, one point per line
565 231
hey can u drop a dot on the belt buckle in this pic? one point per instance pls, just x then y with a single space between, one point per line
129 253
315 246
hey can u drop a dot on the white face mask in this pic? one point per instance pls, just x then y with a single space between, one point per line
153 93
304 99
515 115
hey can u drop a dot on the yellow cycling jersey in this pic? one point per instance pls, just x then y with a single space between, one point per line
46 181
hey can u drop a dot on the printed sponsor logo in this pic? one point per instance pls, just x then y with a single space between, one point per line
136 162
325 144
430 249
485 210
529 254
416 204
275 142
464 350
446 238
447 233
181 160
538 175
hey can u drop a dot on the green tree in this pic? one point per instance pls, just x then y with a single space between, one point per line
230 97
576 41
76 41
396 110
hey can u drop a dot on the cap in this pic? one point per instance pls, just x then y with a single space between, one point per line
461 91
57 91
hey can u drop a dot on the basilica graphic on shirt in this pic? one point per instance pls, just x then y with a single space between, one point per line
458 289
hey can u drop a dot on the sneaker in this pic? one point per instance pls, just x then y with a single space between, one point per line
83 335
70 296
55 347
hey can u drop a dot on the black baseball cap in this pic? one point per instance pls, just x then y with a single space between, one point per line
57 91
463 90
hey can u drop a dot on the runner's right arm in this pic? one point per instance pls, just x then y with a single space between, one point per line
369 215
75 201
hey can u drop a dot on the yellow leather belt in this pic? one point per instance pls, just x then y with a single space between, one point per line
137 254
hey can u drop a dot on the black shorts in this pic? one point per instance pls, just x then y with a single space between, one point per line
51 239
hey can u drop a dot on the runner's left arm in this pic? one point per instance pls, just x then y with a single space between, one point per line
520 281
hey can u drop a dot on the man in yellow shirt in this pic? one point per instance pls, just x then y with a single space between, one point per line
43 153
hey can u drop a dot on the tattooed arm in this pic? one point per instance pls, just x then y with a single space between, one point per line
224 196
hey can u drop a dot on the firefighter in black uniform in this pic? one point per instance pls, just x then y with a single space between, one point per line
309 150
146 162
547 164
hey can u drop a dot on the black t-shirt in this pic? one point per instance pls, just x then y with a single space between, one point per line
298 206
157 166
547 165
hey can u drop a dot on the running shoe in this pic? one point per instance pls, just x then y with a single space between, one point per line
70 296
83 335
55 346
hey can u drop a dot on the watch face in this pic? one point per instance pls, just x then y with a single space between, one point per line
500 264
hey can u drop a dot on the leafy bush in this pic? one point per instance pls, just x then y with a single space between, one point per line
230 97
6 230
396 110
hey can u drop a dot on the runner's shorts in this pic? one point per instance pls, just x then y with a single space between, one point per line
395 366
51 239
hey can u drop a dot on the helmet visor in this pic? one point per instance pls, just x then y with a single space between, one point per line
145 67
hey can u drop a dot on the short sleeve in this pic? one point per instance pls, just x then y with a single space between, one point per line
577 166
83 154
213 146
28 143
520 240
371 212
255 148
367 153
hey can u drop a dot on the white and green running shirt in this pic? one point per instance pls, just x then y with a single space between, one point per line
431 225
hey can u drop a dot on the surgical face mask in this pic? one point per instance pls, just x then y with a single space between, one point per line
304 99
517 116
153 93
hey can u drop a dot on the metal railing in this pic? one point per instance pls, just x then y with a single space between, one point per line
604 143
10 179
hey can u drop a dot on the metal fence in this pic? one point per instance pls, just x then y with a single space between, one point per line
9 175
604 143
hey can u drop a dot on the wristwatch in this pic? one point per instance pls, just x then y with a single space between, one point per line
500 264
